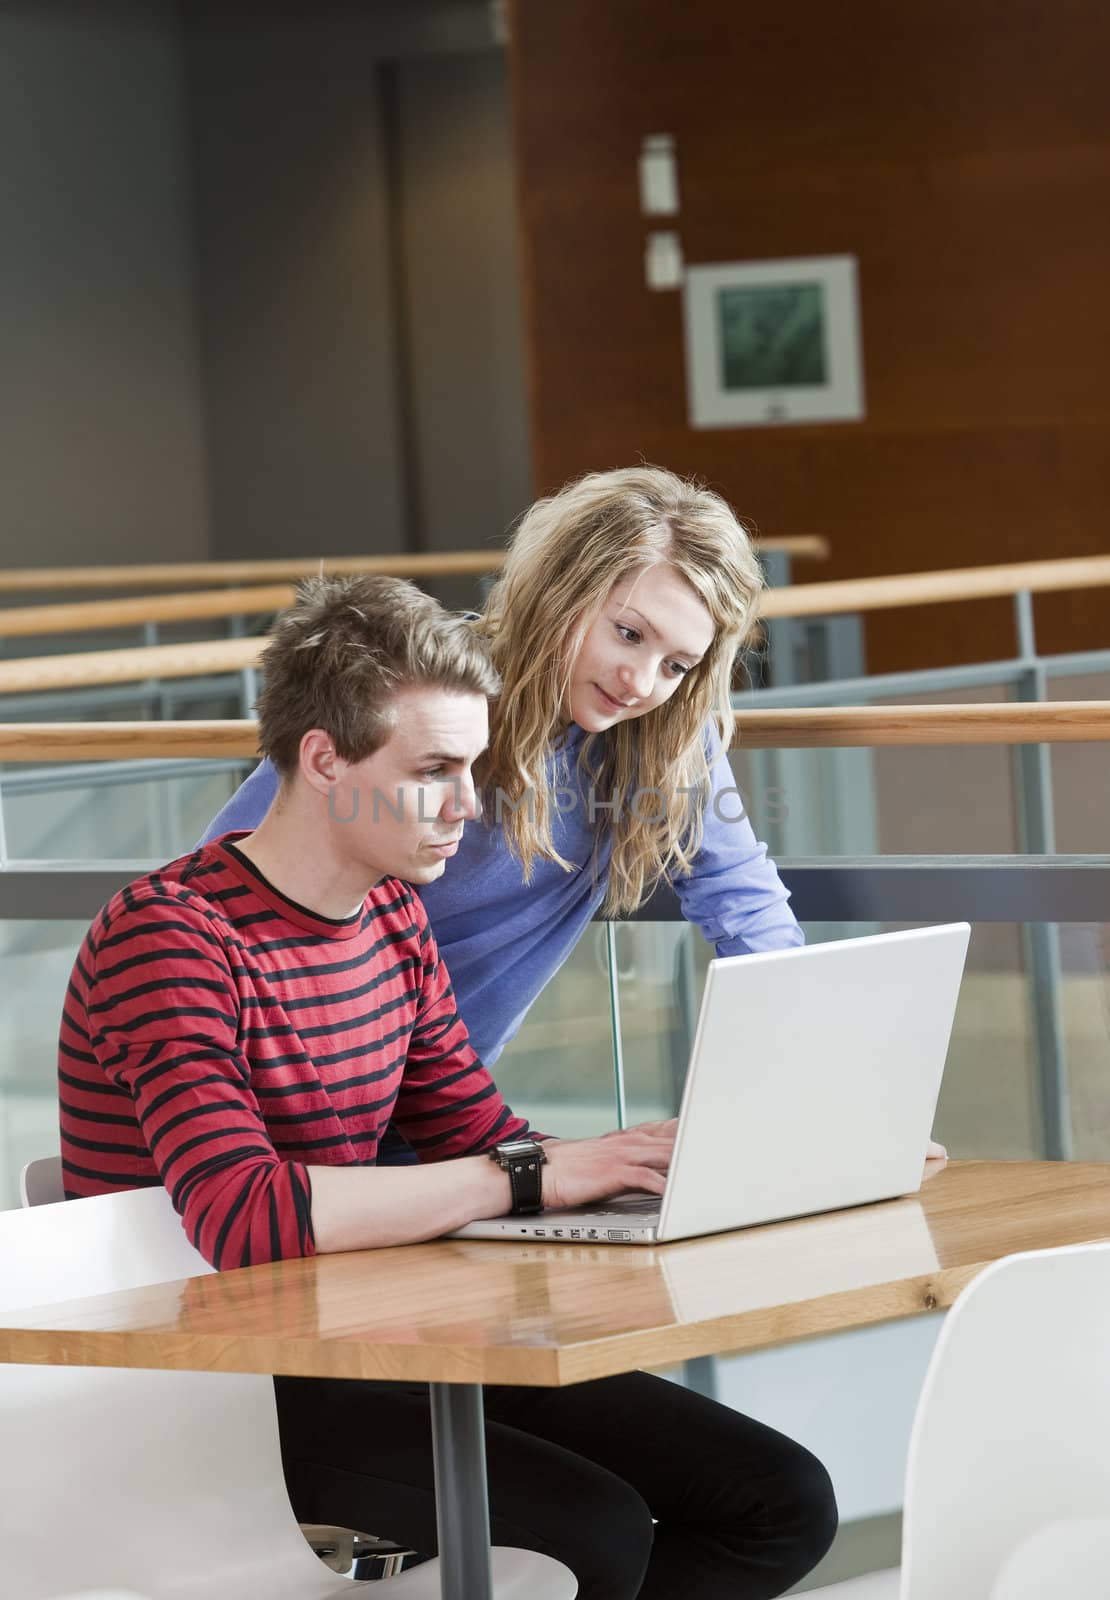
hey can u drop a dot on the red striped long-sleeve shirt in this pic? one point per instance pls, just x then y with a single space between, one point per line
218 1038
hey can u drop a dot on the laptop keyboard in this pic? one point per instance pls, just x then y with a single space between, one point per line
628 1205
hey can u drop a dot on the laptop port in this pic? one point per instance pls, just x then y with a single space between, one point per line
619 1235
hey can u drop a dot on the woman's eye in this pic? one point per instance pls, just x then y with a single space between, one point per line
629 635
679 668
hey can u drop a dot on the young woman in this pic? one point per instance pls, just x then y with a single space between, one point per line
614 626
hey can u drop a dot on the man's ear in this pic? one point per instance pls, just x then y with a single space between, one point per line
320 766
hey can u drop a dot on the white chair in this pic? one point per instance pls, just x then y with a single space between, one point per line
181 1462
1009 1460
40 1182
1075 1549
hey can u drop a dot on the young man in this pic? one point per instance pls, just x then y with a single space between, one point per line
241 1026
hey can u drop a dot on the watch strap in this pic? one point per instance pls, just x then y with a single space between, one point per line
523 1160
526 1184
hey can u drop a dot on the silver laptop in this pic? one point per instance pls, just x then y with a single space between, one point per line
812 1085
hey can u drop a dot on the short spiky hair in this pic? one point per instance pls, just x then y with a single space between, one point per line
341 652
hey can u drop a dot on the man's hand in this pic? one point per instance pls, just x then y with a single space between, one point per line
580 1170
935 1151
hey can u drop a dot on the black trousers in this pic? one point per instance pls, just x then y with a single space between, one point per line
641 1487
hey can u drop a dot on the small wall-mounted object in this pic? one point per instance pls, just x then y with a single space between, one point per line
773 342
658 176
663 261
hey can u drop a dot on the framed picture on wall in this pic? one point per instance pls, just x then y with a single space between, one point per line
772 342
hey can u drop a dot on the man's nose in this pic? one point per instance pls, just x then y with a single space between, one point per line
462 800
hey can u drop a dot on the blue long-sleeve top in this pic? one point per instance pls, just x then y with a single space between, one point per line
503 940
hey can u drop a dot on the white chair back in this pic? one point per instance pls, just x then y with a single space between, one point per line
1070 1558
1013 1427
168 1483
40 1182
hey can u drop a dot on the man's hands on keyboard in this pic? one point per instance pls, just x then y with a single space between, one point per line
579 1171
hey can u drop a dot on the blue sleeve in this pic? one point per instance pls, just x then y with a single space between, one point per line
247 806
734 893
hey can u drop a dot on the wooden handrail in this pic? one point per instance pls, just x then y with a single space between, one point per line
794 600
423 564
166 574
1050 722
86 616
128 741
1044 722
91 668
94 668
935 588
801 600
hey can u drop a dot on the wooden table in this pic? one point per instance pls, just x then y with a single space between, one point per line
461 1313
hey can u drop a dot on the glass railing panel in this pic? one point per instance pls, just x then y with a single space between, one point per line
894 800
169 699
1081 775
98 811
200 630
990 1102
926 800
661 970
558 1070
36 959
1085 1004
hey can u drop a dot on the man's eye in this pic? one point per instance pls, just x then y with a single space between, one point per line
433 773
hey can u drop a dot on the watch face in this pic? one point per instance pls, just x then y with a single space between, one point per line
517 1147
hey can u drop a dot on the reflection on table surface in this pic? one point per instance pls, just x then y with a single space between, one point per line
496 1311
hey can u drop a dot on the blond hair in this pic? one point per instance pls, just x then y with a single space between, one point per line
341 652
568 552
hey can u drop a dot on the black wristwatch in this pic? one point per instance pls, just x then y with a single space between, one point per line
523 1160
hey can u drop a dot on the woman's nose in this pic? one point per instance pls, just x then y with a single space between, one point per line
639 679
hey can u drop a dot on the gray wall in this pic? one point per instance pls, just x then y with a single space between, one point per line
355 230
257 281
101 436
462 316
293 267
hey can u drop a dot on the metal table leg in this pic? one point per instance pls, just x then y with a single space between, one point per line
462 1498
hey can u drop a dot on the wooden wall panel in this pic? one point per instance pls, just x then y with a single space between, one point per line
961 150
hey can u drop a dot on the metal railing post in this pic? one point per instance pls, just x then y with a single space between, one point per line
699 1372
619 1089
1037 836
248 676
779 631
159 822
